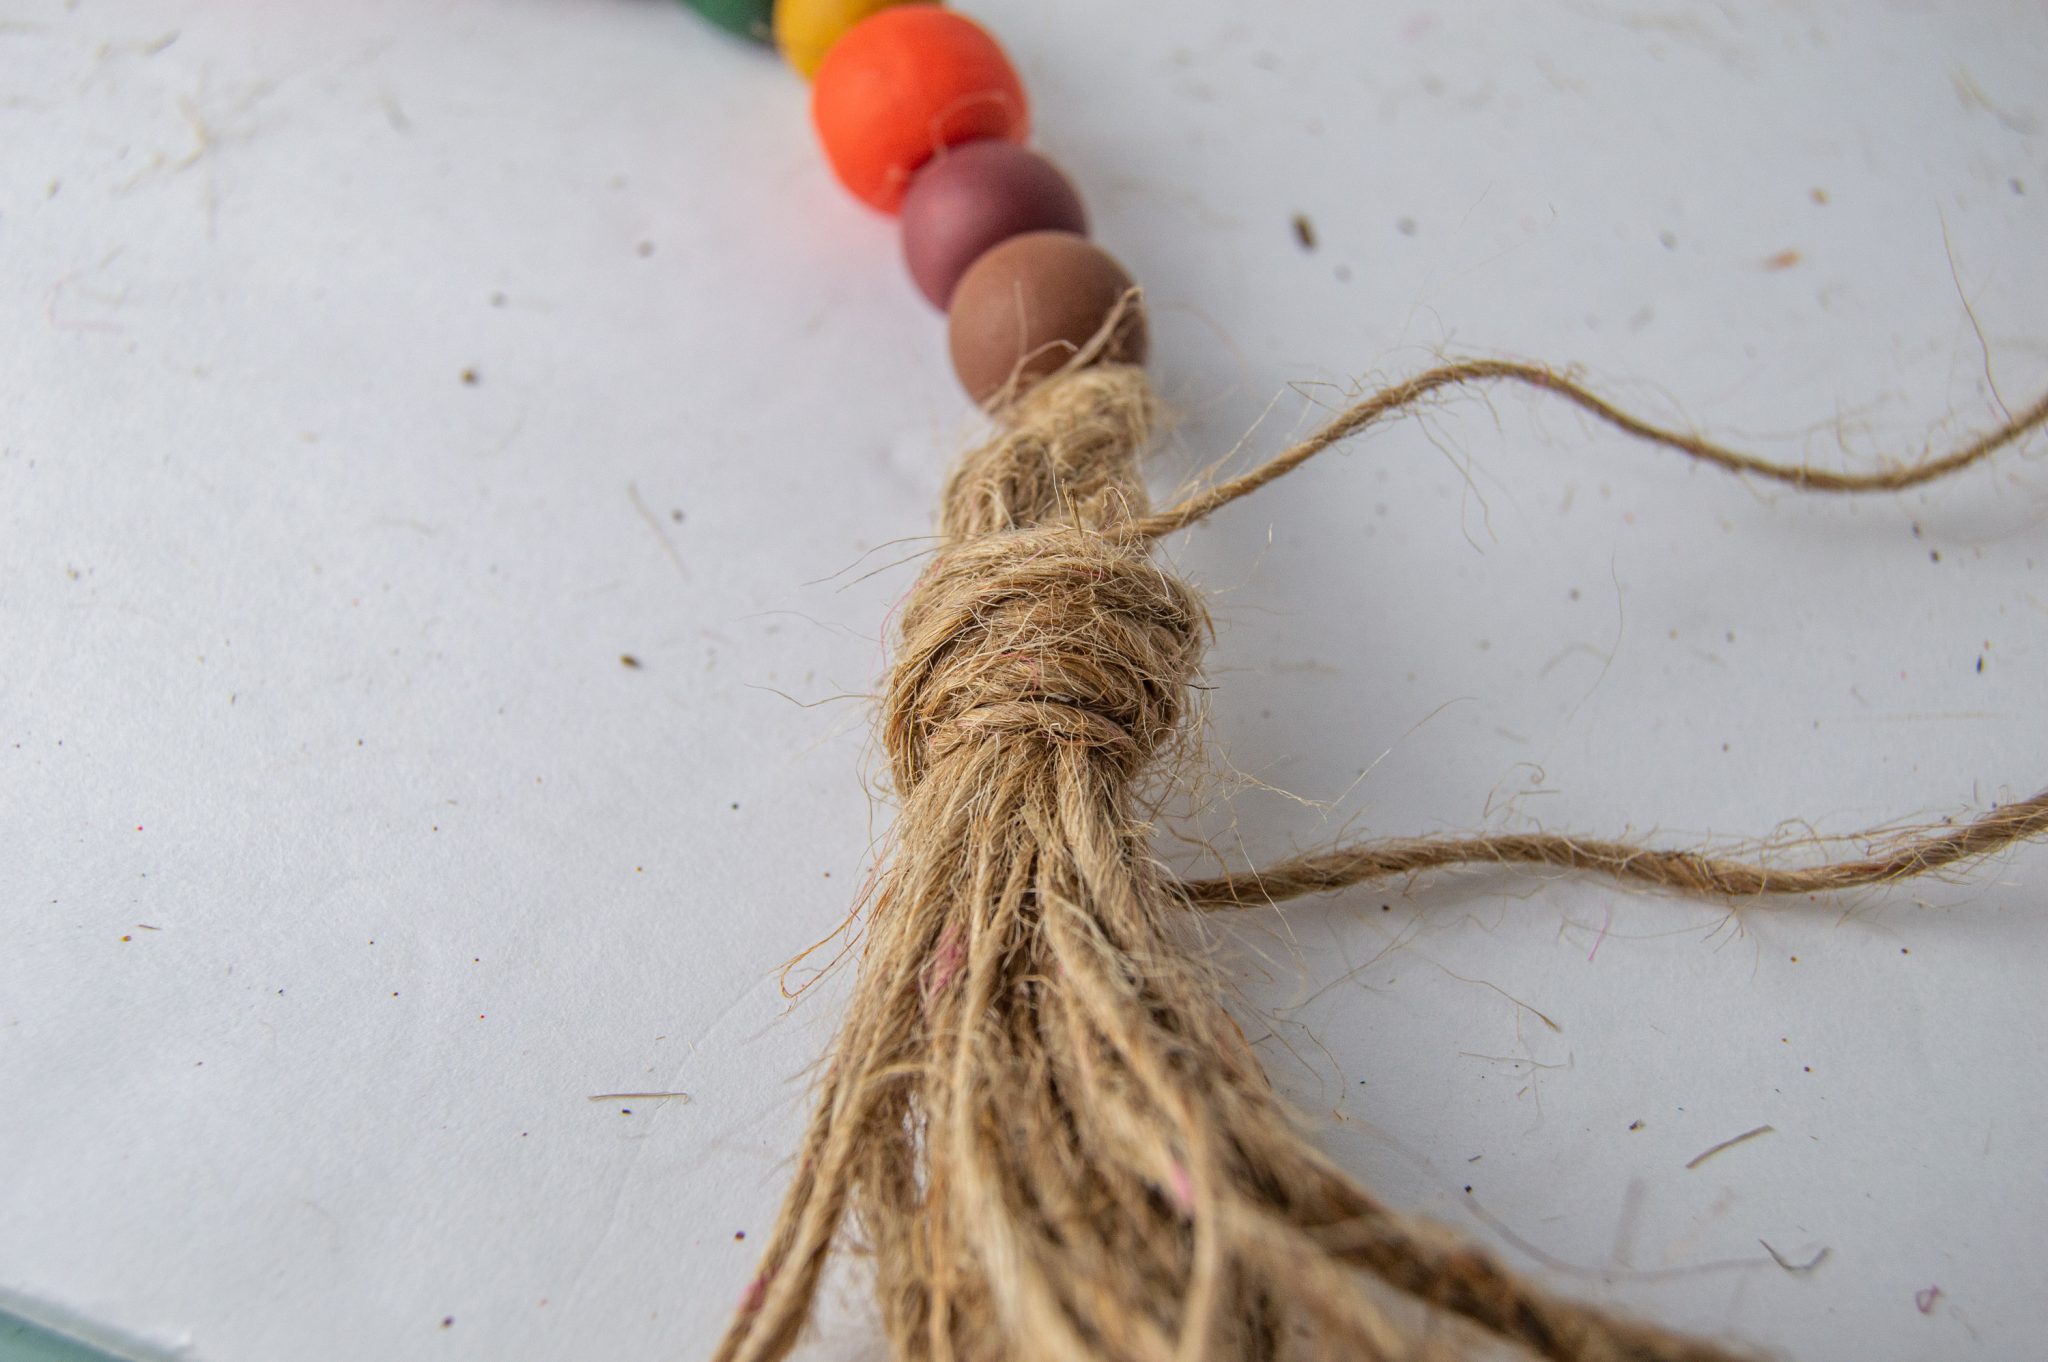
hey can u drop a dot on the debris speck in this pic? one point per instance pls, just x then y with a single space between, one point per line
1820 197
1406 227
447 1321
1304 232
1635 1124
628 660
1807 1266
1925 1298
1783 260
469 377
1728 1144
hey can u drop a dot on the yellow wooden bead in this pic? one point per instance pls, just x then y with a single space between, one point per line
806 29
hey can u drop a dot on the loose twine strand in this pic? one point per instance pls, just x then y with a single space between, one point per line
1404 396
1686 872
1038 1120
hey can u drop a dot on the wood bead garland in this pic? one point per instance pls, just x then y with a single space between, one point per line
977 195
1030 305
1052 1138
904 84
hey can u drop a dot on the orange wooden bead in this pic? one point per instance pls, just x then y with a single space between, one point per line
903 85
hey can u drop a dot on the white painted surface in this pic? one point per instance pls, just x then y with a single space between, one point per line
307 644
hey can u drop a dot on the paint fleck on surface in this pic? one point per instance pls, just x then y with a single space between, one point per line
1783 260
1183 1186
1924 1300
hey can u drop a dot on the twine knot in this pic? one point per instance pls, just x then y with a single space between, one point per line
1057 635
1041 622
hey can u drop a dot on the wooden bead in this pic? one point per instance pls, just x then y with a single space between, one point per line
975 196
749 18
904 84
806 29
1025 307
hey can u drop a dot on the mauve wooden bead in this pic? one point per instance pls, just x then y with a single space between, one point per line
977 195
1026 306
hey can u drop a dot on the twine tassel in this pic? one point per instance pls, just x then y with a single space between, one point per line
1039 1119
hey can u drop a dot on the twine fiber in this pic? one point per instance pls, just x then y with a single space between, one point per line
1038 1119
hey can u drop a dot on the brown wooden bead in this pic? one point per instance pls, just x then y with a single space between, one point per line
1026 306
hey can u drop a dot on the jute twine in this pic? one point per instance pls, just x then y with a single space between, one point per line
1039 1120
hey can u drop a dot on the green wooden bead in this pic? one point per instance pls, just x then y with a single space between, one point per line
749 18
